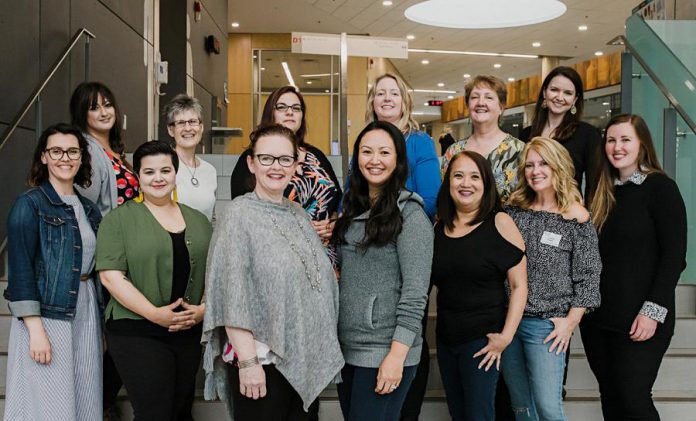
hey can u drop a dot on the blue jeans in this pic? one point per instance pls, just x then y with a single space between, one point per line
470 390
360 402
534 375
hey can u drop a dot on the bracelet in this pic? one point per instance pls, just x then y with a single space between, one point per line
248 363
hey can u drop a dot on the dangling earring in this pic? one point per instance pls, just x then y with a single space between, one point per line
573 110
543 103
175 197
140 197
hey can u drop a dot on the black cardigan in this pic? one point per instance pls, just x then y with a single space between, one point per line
583 147
643 249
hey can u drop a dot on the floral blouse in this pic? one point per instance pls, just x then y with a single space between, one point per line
503 159
127 187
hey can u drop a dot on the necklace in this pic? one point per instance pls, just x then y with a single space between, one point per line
194 180
314 282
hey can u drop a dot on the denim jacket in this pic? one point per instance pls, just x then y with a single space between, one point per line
45 254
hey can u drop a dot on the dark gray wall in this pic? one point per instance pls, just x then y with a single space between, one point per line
35 32
209 71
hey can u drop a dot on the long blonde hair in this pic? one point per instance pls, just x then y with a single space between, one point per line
407 122
601 198
562 177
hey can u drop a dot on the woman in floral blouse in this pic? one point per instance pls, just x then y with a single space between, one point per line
485 98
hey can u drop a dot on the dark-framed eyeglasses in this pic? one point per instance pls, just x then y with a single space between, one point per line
267 160
57 153
180 124
296 108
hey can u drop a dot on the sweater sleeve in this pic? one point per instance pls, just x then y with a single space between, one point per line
586 267
426 174
242 181
669 215
414 247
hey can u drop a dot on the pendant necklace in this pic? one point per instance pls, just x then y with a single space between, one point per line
194 180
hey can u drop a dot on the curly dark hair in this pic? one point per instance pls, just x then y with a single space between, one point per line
385 222
154 147
39 171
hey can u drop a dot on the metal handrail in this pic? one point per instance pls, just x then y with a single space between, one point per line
658 82
39 88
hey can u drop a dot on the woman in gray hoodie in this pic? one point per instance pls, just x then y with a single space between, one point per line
385 242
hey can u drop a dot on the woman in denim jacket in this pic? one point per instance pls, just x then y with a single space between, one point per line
54 351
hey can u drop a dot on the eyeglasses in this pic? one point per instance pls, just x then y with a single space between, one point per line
296 108
57 153
268 160
180 124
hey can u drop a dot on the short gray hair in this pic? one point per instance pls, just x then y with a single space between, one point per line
180 104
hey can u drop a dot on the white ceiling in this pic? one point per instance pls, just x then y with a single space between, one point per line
560 37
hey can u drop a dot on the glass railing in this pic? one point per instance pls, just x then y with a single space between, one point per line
667 58
664 66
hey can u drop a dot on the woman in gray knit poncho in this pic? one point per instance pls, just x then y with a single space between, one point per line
272 298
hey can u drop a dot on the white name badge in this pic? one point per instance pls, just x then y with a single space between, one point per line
551 238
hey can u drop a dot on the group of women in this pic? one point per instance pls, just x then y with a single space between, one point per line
301 284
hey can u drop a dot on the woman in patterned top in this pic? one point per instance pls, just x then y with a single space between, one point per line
563 267
314 185
94 111
485 97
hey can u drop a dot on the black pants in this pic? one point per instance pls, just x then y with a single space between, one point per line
625 371
112 381
410 411
159 374
281 403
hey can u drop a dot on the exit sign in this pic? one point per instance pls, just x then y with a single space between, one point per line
435 103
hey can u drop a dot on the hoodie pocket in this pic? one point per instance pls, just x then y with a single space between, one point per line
370 311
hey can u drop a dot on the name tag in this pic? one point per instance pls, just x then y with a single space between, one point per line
550 238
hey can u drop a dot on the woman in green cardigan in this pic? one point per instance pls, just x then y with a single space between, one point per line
151 254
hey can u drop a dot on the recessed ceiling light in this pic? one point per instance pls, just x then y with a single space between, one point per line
605 103
309 82
582 28
598 53
263 68
235 24
254 56
536 44
425 103
450 96
475 14
511 79
327 91
425 61
387 3
440 84
410 37
516 125
466 76
497 65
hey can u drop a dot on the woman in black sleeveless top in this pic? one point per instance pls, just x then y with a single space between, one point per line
476 248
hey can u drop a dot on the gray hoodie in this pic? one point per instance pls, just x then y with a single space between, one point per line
383 290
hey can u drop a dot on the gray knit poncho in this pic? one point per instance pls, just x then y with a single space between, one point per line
255 281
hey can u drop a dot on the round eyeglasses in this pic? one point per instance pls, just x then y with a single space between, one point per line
57 153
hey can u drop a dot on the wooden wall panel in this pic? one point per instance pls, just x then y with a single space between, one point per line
319 121
271 41
239 64
239 115
596 73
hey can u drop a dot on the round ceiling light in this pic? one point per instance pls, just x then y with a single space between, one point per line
475 14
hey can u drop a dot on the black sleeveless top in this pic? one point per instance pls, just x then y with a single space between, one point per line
470 273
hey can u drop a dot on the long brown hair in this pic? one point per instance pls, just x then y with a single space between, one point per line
570 120
601 198
562 178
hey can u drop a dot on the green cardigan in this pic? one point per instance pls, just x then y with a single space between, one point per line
131 240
